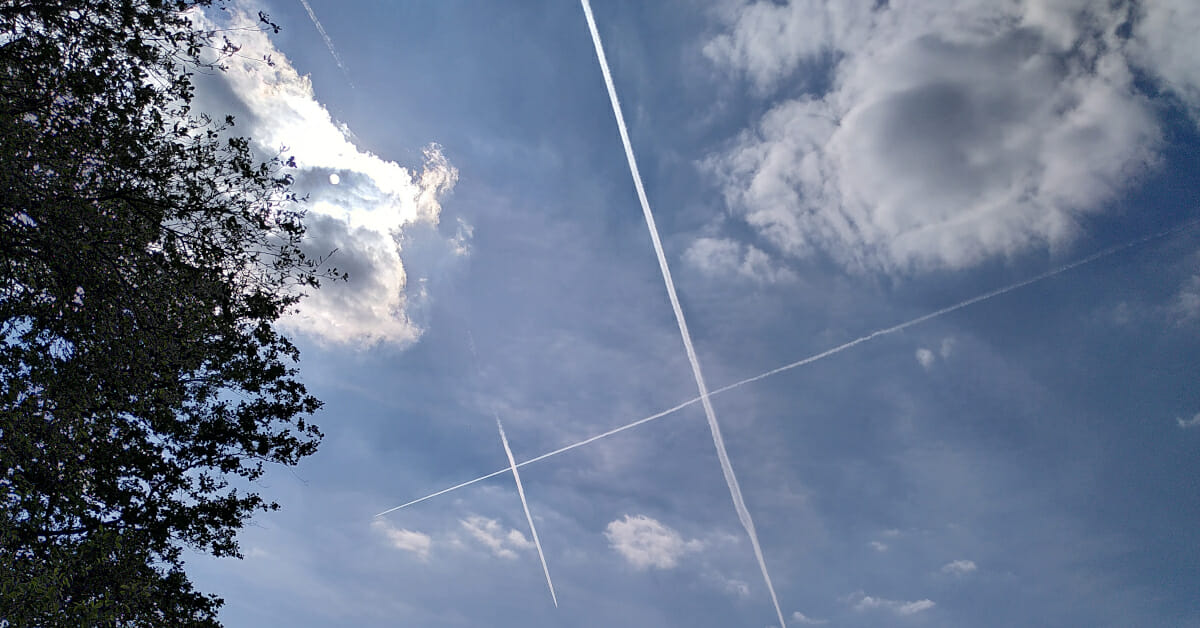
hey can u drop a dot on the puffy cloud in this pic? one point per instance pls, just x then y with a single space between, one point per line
645 542
950 132
863 602
1165 45
359 203
959 567
1188 423
492 535
724 257
801 618
417 543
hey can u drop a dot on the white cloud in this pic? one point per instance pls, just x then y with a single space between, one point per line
645 542
1165 44
862 602
925 357
492 535
959 567
1188 423
359 203
801 618
417 543
952 131
879 547
727 258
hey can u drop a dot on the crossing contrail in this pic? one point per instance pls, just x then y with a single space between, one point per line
328 42
814 358
512 465
735 491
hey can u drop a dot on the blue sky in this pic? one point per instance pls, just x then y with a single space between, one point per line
818 171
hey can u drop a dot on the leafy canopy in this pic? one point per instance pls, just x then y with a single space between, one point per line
145 254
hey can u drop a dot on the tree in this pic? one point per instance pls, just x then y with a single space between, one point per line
145 255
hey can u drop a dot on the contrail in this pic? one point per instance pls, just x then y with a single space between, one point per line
512 465
735 491
328 42
815 357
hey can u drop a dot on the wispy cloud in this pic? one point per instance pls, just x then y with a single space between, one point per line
1189 423
416 543
721 257
862 602
805 620
645 542
959 567
878 546
502 543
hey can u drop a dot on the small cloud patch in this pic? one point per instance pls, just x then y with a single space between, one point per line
959 567
489 532
416 543
645 542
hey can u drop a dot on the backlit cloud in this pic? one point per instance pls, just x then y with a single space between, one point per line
359 203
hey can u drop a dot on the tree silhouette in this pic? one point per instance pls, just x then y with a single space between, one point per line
145 254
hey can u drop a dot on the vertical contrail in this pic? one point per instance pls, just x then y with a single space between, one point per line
328 42
735 490
512 464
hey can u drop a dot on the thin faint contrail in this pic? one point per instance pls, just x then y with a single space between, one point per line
815 357
735 491
512 465
328 42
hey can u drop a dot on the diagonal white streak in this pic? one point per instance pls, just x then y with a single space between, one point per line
815 357
512 465
328 42
735 491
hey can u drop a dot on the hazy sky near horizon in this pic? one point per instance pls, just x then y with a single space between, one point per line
818 171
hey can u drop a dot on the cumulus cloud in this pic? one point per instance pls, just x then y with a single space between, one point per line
801 618
359 203
950 132
959 567
411 541
1188 423
645 542
1165 44
502 543
862 602
722 257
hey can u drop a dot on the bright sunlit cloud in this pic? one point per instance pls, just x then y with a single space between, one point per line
359 204
645 542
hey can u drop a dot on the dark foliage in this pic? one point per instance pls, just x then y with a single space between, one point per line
144 257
